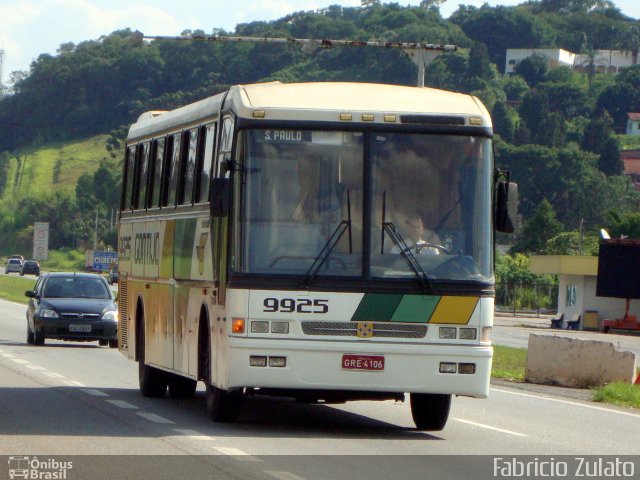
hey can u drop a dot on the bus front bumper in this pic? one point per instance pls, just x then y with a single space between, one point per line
374 367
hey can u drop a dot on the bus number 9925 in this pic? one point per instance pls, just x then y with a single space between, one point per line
289 305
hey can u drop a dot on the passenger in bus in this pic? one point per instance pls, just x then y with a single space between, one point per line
413 233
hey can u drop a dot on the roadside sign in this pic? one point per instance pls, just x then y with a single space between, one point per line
40 240
102 261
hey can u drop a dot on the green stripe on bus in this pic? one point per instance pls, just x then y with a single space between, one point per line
377 307
416 308
183 247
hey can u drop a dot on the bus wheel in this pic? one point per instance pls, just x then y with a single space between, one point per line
223 405
181 387
153 382
430 411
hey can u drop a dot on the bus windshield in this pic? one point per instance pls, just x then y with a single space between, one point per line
300 206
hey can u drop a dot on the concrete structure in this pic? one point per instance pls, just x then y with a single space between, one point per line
604 61
577 291
631 161
575 362
633 124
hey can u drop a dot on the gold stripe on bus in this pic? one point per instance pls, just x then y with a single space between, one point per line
457 310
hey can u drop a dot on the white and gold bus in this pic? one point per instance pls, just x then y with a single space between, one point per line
321 241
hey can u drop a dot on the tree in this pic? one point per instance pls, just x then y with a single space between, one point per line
573 243
624 224
479 65
502 122
533 69
541 227
610 162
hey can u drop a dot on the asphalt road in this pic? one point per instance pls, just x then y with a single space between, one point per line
81 399
514 332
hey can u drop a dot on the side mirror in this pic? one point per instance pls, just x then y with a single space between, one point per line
31 294
506 205
220 197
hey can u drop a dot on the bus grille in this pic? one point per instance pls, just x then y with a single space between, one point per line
350 329
123 327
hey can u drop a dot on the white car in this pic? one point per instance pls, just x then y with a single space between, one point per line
13 265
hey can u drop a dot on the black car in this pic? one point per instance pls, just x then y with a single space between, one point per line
30 267
72 306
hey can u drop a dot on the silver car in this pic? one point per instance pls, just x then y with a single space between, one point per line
13 265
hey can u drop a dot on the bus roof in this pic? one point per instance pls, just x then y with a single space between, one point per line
320 101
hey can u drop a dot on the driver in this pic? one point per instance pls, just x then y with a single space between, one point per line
414 232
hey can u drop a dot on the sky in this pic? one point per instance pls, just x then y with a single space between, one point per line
29 28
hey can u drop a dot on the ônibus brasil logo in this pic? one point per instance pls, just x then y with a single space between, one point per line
36 469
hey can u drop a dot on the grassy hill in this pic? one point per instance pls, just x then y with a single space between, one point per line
54 166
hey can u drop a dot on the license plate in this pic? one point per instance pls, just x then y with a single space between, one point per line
79 328
363 362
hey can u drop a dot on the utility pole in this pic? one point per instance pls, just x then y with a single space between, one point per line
95 235
420 53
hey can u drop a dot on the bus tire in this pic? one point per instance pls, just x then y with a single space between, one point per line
181 387
223 405
153 381
430 411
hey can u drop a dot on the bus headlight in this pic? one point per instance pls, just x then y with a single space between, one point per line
448 333
468 333
259 327
279 327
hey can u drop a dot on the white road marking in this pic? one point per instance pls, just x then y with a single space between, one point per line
95 393
122 404
489 427
36 367
234 452
193 435
7 355
569 402
53 374
152 417
20 360
283 475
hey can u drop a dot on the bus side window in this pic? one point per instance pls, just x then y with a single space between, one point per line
140 196
156 172
188 166
206 139
127 194
174 170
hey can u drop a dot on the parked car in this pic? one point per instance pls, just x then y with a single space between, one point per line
13 265
72 306
30 267
113 275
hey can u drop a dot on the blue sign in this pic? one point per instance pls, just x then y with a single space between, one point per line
103 260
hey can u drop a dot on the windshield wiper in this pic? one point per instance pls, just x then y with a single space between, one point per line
390 229
330 244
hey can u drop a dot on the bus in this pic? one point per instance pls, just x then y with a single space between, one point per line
322 241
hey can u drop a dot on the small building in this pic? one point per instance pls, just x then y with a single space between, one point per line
633 124
577 291
555 57
604 61
631 161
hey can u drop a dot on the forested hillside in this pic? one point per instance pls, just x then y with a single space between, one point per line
557 130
